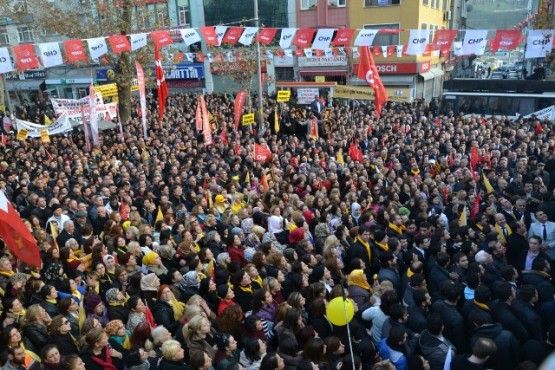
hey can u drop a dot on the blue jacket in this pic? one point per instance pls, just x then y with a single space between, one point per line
397 358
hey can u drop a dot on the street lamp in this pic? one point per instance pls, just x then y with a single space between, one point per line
259 73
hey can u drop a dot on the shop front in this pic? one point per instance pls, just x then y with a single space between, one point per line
24 85
185 76
324 69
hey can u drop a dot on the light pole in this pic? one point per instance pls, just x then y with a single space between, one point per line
259 73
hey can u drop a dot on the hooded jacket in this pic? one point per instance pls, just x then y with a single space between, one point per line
508 350
434 350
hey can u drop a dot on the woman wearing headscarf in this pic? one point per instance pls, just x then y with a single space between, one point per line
149 288
115 301
189 285
359 289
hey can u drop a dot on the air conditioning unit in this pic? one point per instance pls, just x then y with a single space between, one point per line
447 15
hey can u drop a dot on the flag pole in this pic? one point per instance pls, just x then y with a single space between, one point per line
348 327
259 74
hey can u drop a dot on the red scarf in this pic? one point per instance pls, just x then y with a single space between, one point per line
106 364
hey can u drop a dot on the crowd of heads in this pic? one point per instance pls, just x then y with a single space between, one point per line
162 251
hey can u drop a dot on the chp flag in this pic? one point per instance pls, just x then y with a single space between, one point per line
262 153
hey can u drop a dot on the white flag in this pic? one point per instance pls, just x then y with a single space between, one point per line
399 50
323 38
248 35
308 52
138 40
539 43
475 42
190 36
329 53
288 53
418 40
5 61
287 35
230 57
220 32
384 51
457 48
50 54
366 37
269 54
190 57
97 47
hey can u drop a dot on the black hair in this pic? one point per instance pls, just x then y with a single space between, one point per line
434 324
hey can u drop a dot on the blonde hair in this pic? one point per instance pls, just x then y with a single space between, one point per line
329 246
32 315
193 326
191 310
170 349
133 246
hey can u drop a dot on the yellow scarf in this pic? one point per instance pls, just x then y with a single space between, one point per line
236 207
7 273
415 172
30 356
53 301
245 289
77 294
500 233
409 272
178 309
258 280
398 229
480 227
383 247
481 305
75 341
366 245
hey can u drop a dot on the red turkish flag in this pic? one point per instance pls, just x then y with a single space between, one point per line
233 35
210 36
75 51
161 39
343 37
377 50
506 40
200 57
355 152
475 207
262 153
198 117
443 39
474 159
368 72
303 38
16 235
119 43
163 91
25 57
299 52
391 49
266 35
319 53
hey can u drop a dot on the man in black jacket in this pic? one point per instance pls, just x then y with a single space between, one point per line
504 314
539 277
450 315
361 249
508 352
419 312
537 351
524 307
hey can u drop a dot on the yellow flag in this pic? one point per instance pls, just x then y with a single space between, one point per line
339 157
248 179
276 121
159 215
82 315
47 120
462 219
487 184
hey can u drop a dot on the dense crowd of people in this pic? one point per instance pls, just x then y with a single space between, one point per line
165 253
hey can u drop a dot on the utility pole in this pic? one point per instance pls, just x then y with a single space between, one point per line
259 73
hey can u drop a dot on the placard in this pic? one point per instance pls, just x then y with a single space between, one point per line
248 119
44 137
283 96
306 95
22 135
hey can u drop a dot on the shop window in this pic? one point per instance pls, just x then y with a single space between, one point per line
25 34
183 16
4 36
285 74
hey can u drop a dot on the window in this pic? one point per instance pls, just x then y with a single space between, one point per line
285 74
183 16
4 36
25 34
381 2
382 38
426 2
444 5
338 3
433 4
307 4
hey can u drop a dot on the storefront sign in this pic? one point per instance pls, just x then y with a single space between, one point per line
185 72
283 61
394 93
393 68
322 61
26 75
306 96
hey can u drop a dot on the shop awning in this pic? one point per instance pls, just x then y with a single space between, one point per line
437 72
323 72
427 75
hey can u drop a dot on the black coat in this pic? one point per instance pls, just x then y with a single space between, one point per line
504 314
65 344
50 308
542 282
118 313
171 365
508 351
243 299
417 319
322 326
357 250
530 319
536 351
90 364
453 324
35 336
438 274
516 244
521 259
164 315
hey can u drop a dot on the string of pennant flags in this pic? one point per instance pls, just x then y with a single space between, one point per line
292 41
